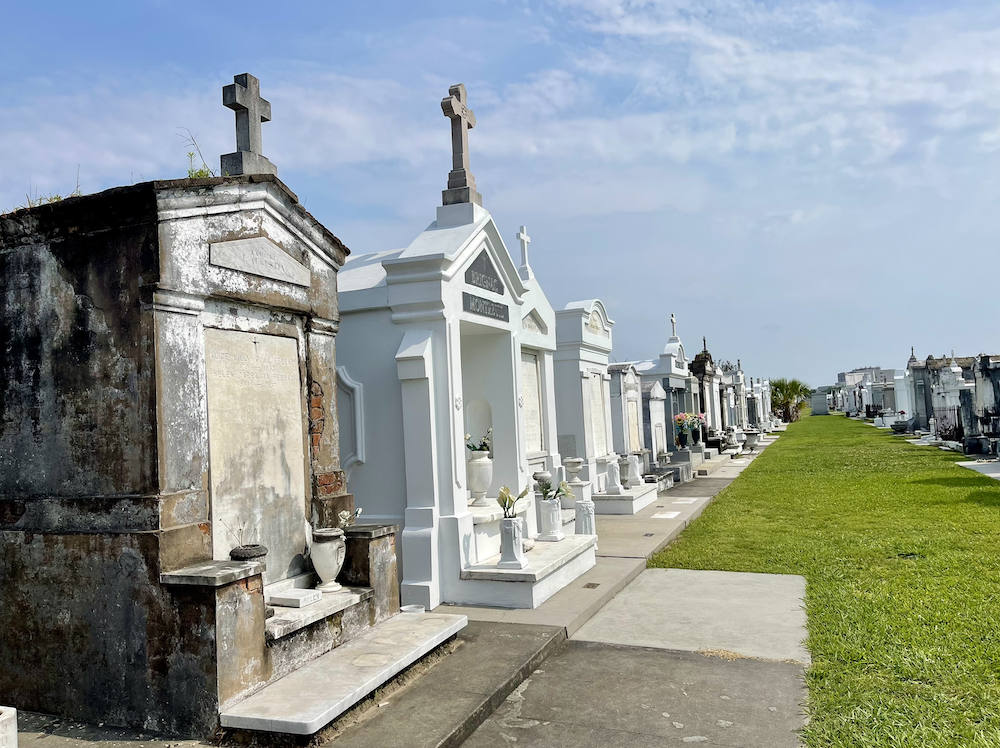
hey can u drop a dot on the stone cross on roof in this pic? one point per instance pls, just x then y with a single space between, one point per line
461 183
243 97
525 270
704 343
673 325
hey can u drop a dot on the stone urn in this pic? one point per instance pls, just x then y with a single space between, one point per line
551 516
480 471
512 544
623 468
682 439
695 436
753 439
328 551
549 510
248 553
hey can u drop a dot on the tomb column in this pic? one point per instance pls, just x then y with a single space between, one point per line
181 425
329 496
414 365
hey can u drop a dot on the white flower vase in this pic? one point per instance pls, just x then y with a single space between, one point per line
551 515
480 472
328 552
585 520
512 544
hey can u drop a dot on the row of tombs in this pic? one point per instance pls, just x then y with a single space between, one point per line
183 452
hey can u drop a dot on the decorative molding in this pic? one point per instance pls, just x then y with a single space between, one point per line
177 302
321 326
353 391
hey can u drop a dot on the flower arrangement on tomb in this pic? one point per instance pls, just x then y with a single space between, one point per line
484 443
560 491
507 500
681 421
696 420
346 518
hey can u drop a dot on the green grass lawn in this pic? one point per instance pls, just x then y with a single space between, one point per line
899 548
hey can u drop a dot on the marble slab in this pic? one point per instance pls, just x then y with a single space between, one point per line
543 559
8 727
296 598
666 515
314 695
213 573
286 621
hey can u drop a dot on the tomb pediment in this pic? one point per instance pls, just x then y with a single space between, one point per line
532 322
259 256
482 274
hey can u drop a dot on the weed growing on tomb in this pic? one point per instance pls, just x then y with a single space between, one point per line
193 171
899 549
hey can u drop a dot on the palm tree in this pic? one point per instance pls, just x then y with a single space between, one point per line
788 396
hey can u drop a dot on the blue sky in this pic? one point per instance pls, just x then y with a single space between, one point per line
811 185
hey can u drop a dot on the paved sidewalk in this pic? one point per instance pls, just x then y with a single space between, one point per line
605 696
624 544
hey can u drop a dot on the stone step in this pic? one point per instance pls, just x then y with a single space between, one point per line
311 697
630 501
551 566
710 466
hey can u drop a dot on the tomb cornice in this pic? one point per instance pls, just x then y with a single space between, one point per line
428 311
180 199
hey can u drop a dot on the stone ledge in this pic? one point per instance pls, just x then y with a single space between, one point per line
213 573
370 531
287 621
482 515
307 699
543 560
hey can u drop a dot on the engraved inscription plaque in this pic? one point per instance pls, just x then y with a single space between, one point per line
256 447
634 442
597 421
482 274
532 402
259 256
485 307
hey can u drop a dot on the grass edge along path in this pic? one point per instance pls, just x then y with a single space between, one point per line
899 548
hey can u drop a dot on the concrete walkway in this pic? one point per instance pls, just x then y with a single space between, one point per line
625 542
611 695
605 696
679 656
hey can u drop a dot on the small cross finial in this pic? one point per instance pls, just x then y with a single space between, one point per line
739 365
673 325
912 353
243 97
704 343
525 270
461 183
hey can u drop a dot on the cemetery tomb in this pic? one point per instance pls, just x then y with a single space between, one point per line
451 338
584 409
628 432
680 387
820 405
170 396
709 386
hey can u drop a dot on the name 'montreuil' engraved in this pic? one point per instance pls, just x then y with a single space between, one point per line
485 307
259 256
